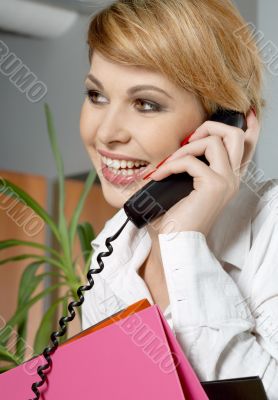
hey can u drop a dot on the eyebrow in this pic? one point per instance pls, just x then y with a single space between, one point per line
131 90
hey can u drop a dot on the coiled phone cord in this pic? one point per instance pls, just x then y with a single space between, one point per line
48 351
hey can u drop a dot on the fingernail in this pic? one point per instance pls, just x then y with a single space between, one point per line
163 161
158 165
185 141
145 177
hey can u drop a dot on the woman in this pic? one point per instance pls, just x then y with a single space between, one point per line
210 262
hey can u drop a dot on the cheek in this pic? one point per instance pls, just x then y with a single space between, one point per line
87 124
158 139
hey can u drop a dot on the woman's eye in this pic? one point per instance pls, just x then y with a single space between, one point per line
152 107
90 94
155 107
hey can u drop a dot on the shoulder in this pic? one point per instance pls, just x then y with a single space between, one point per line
267 190
265 218
267 200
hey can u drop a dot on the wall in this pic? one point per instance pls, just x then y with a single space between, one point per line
267 28
62 65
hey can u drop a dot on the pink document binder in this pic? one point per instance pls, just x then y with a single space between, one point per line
137 357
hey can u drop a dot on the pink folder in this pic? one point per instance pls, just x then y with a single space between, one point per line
137 357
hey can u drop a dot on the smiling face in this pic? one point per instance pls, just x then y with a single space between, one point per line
145 124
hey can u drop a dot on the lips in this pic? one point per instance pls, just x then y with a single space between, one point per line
121 179
118 156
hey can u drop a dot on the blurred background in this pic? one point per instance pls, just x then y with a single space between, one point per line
46 42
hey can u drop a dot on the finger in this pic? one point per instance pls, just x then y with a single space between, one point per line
215 128
215 152
196 168
233 139
237 142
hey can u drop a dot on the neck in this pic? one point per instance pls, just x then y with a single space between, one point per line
154 258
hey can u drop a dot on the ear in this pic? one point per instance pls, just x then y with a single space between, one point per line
250 142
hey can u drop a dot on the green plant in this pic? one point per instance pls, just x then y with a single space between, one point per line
60 258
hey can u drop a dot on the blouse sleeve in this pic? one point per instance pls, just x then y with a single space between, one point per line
223 334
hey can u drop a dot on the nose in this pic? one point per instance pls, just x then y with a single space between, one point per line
113 127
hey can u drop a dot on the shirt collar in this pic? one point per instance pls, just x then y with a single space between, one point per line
131 241
229 238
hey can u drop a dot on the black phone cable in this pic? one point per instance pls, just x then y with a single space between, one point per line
48 351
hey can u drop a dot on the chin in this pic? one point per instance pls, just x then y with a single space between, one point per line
117 195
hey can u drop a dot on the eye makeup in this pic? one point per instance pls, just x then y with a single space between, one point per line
155 107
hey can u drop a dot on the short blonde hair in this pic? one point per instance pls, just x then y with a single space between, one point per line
203 46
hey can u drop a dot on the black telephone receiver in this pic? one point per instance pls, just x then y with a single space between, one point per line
152 200
156 197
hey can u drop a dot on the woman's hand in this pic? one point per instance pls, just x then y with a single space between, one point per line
228 150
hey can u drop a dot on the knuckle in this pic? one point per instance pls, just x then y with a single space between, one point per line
206 126
169 168
188 158
215 139
206 123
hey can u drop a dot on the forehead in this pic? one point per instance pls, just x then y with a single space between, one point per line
119 77
106 70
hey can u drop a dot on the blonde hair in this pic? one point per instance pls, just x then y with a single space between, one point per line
203 46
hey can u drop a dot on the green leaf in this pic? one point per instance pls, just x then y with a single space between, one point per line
20 313
45 329
35 256
5 244
63 230
7 355
26 199
57 157
28 284
86 234
21 341
75 218
88 263
65 312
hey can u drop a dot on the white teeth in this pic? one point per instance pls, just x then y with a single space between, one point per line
117 164
125 172
130 164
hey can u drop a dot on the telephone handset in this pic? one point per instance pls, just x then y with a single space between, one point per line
152 200
156 197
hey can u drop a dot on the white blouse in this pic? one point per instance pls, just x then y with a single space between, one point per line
223 288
